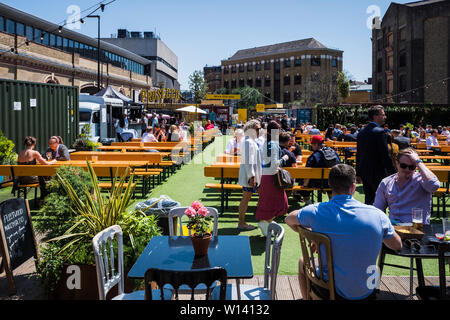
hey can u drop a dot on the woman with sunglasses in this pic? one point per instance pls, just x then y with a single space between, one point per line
407 189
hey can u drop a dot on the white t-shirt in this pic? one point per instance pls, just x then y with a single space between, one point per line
432 141
148 137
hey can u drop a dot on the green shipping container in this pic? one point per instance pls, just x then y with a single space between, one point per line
40 110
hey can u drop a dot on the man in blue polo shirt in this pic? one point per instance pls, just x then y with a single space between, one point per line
356 231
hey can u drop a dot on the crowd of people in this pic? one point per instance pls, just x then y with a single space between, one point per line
392 175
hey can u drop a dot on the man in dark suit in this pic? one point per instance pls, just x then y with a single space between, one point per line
373 160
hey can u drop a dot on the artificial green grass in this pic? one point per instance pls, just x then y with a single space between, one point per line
187 185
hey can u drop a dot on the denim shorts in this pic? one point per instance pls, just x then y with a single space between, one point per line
250 189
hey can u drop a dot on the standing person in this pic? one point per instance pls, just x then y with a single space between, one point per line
285 123
29 156
154 120
373 160
357 232
250 170
56 151
407 189
144 123
272 201
119 126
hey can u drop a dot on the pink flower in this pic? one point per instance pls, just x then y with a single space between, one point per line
203 211
196 205
190 212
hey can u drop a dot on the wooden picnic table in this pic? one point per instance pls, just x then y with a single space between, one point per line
152 157
139 148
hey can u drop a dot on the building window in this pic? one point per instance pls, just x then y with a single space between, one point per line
267 82
241 83
233 69
249 67
46 39
334 62
287 80
258 67
250 82
226 70
233 84
315 61
287 63
37 35
29 33
402 35
287 96
2 24
380 65
379 87
297 95
402 83
298 79
52 42
241 68
267 65
267 97
226 84
20 29
297 62
10 26
315 77
402 59
258 82
380 44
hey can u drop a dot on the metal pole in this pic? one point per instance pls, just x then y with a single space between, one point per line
98 51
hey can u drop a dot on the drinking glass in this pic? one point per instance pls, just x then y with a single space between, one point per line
417 218
446 227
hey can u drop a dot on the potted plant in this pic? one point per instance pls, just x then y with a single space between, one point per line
7 156
199 224
92 212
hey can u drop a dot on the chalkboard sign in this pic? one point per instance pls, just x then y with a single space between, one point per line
17 241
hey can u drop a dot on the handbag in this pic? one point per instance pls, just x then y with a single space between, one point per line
282 179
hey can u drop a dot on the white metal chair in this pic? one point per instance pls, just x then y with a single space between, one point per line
252 292
110 271
179 213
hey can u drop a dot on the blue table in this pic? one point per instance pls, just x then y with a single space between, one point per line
176 253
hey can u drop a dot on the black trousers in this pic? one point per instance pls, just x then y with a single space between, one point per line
370 188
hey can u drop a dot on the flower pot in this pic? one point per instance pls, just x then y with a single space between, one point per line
201 244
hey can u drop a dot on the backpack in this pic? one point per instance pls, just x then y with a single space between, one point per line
329 157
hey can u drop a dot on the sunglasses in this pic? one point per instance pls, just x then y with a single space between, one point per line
410 167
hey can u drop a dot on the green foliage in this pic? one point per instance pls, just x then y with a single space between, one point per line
7 156
221 91
250 97
56 214
83 142
198 86
49 267
199 225
343 85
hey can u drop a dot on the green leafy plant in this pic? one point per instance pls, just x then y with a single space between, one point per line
92 212
7 156
49 267
199 222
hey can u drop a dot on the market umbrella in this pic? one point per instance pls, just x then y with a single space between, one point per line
192 109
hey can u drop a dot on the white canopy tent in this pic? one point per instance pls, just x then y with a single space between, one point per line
192 109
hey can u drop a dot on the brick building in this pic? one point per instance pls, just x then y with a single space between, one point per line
33 49
410 53
304 71
213 77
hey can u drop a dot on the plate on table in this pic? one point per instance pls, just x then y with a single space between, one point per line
434 239
407 232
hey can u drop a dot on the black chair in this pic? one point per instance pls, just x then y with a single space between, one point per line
192 278
441 292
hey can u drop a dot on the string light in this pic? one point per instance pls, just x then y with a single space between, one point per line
60 29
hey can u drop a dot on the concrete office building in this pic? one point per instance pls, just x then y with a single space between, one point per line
163 67
303 71
411 53
33 49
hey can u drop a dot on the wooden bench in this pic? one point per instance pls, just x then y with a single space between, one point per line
223 173
443 192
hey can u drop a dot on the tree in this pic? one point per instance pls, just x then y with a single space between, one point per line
250 97
221 91
198 86
343 84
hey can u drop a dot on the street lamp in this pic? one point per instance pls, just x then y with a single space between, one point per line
98 50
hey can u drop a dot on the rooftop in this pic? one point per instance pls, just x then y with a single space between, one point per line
422 3
285 47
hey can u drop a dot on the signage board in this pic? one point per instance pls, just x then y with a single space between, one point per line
223 96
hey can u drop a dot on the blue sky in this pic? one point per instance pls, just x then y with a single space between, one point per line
204 32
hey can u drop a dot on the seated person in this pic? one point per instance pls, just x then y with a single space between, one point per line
56 150
284 139
234 145
322 157
295 148
407 189
148 135
432 140
209 125
314 131
401 141
29 156
356 231
159 133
